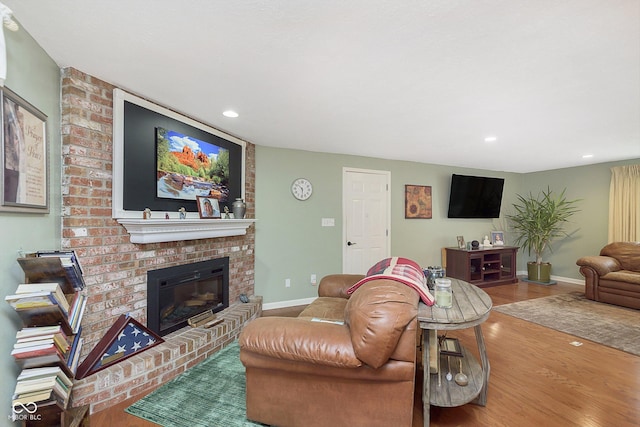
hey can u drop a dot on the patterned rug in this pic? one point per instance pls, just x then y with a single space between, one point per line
212 393
572 313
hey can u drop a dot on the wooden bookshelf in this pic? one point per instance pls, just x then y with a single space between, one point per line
61 267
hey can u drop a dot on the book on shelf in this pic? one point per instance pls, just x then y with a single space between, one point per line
68 257
60 385
43 372
36 331
49 359
42 350
61 343
42 334
62 270
53 314
77 312
53 287
53 395
36 300
74 356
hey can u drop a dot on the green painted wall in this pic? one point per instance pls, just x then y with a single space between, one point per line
590 225
33 75
290 242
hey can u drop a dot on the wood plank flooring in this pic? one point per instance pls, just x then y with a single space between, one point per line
537 377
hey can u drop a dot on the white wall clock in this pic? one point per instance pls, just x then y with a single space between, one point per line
301 189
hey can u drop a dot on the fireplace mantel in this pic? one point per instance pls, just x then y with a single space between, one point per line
170 230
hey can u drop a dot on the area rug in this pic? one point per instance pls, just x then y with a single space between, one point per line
572 313
212 393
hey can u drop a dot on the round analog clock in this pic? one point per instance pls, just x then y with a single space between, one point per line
301 189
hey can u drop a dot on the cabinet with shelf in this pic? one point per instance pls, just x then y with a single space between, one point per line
483 267
48 346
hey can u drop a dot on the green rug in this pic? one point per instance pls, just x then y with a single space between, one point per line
573 314
212 393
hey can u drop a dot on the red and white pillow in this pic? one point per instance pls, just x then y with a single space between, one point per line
402 270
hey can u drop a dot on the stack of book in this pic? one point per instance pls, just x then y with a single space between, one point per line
47 345
43 386
33 295
62 266
46 304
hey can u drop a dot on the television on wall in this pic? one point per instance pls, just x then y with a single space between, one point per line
475 196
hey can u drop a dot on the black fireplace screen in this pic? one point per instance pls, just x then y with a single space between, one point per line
175 294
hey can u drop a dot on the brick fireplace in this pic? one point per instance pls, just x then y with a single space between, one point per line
116 269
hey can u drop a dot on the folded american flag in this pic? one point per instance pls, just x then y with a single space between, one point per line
401 270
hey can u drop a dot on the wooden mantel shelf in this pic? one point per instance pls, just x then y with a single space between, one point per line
145 231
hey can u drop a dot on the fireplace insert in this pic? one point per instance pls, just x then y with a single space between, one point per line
175 294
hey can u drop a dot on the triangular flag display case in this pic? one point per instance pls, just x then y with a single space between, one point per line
125 338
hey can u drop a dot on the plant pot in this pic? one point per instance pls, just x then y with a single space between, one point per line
539 272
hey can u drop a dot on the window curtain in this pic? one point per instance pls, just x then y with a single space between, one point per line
624 204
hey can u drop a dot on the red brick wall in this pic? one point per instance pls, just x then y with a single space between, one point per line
115 269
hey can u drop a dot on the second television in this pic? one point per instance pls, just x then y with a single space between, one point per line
475 196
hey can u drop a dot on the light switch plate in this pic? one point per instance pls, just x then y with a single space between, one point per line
328 222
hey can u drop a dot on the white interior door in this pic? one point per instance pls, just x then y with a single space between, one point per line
367 218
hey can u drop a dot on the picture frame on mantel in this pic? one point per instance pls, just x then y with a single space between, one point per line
208 207
25 156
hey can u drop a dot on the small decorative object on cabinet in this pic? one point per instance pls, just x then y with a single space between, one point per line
483 267
48 347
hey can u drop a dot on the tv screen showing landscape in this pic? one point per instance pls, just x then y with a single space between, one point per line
188 167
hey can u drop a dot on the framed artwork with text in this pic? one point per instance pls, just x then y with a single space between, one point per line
25 156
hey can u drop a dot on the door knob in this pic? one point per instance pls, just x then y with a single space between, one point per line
350 243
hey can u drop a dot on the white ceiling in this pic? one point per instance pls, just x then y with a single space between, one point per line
423 81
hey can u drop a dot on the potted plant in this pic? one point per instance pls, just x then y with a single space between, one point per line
537 221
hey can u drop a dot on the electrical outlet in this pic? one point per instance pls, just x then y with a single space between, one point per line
287 283
313 280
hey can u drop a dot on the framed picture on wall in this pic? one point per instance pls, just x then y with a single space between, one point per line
25 156
417 201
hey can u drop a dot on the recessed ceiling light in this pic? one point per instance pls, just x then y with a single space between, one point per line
491 139
230 113
587 156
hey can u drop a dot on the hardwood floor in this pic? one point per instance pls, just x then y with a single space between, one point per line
537 377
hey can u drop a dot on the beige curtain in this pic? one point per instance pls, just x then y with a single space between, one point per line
624 204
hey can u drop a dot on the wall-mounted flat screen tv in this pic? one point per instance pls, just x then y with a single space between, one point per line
475 196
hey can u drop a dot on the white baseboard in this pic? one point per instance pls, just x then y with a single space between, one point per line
286 304
557 278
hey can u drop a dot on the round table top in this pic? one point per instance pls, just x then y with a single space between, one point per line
471 306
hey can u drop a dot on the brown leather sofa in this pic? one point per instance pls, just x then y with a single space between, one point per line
346 360
613 276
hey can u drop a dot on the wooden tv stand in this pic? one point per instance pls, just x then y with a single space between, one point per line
483 267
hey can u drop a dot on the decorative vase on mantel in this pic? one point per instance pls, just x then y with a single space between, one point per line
239 207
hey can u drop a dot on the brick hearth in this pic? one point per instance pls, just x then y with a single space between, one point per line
115 269
151 368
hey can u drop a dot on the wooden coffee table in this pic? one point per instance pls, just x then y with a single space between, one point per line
471 307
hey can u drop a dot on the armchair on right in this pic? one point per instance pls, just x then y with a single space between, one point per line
614 275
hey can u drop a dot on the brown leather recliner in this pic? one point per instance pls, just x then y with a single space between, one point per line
344 361
613 276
